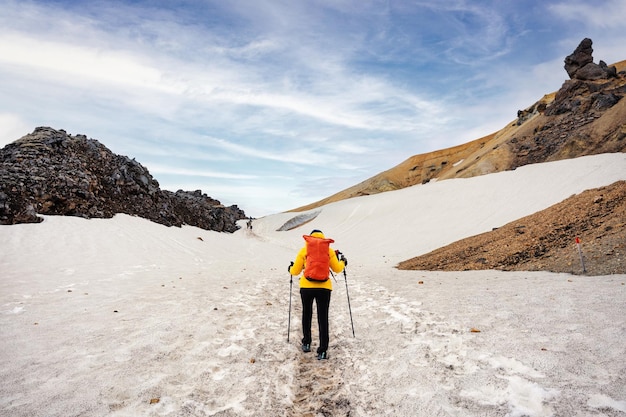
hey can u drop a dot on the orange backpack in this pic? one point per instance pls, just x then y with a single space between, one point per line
317 258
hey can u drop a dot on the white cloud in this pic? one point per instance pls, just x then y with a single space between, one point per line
603 14
71 61
13 128
302 156
187 172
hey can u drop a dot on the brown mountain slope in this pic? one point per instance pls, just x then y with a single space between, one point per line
584 117
545 241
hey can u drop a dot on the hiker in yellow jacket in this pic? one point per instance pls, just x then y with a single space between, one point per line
314 260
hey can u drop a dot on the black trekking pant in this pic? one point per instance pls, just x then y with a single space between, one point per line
322 300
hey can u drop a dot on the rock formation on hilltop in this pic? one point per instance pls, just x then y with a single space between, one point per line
51 172
580 66
586 116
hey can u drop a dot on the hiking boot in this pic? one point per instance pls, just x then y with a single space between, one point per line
322 355
306 347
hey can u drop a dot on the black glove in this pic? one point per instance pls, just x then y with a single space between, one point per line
289 267
345 261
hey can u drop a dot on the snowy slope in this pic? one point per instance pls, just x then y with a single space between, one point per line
124 317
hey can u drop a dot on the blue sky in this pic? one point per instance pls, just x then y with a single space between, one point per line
271 105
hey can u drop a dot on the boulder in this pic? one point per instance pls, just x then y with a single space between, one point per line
581 56
579 65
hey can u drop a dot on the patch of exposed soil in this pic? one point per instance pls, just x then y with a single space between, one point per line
546 240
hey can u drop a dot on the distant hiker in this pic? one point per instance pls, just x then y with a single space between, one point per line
249 224
315 258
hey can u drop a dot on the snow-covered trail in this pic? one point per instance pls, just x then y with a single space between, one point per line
124 317
212 341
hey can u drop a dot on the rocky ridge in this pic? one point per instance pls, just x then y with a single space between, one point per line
586 116
52 173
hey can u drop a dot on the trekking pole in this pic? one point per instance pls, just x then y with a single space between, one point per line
345 277
333 275
289 320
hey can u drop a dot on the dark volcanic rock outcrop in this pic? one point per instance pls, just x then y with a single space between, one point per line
579 65
51 172
584 118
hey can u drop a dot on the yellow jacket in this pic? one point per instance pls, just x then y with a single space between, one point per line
298 266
